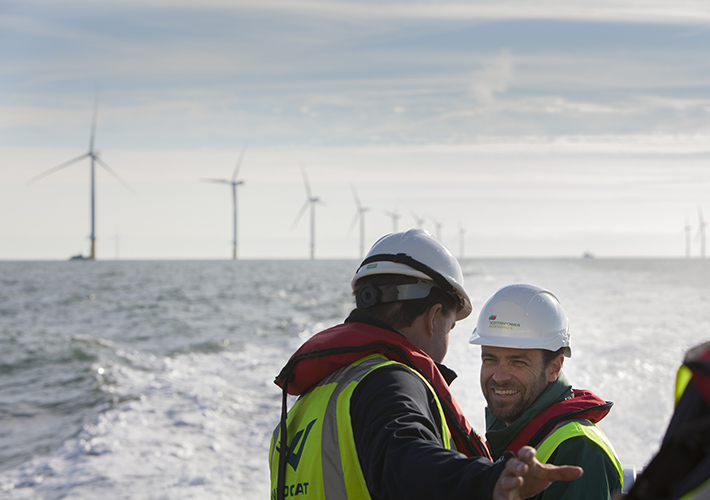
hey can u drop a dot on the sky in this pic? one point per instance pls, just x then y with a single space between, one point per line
505 128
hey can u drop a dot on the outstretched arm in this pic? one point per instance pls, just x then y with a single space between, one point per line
525 476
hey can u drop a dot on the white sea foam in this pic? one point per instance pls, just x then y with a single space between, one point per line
193 426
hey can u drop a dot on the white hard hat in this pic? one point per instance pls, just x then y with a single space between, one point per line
523 317
418 254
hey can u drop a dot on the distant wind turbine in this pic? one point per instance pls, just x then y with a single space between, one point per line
94 155
462 239
310 201
687 229
419 220
702 224
233 182
360 214
439 225
395 217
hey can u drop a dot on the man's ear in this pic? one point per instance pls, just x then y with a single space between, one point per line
554 368
430 318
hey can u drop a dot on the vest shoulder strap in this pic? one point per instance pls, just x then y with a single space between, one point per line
579 428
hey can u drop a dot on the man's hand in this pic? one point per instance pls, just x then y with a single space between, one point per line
525 476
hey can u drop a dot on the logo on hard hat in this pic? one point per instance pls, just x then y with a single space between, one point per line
505 325
371 266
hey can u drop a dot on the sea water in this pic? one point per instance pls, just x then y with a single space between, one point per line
154 380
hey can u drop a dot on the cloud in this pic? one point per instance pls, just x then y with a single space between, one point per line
692 12
494 77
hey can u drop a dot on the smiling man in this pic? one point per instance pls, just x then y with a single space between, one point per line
524 338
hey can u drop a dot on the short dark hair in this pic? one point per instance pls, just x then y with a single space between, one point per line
549 356
402 313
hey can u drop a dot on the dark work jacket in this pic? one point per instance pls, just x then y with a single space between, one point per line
394 417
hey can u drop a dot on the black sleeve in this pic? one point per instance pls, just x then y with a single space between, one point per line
399 446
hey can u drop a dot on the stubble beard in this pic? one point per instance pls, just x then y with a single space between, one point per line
510 414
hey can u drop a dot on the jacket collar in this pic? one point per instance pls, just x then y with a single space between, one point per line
448 374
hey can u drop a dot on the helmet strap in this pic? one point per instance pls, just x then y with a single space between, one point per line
403 258
370 295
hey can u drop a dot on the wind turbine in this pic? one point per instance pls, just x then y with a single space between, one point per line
702 224
439 225
395 217
94 155
360 214
233 182
419 220
687 229
310 201
462 238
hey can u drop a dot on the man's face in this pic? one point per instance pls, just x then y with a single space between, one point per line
512 379
443 324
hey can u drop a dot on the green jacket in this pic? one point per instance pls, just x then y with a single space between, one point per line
601 474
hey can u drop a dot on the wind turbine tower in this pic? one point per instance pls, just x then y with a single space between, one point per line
462 238
94 155
702 224
395 217
687 229
360 214
233 182
310 201
439 226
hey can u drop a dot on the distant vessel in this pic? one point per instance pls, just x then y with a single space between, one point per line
79 257
587 255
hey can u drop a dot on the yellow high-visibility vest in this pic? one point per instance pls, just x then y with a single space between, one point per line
323 461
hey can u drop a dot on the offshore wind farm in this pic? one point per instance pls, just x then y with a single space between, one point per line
560 132
434 224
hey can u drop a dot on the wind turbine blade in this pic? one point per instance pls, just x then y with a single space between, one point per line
352 224
305 182
300 213
54 169
93 121
218 181
114 174
239 164
357 200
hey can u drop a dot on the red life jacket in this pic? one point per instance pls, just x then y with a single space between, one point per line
584 404
342 345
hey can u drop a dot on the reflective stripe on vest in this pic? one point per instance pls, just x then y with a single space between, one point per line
575 428
323 461
682 380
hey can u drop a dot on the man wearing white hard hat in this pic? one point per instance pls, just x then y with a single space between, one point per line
524 337
375 418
